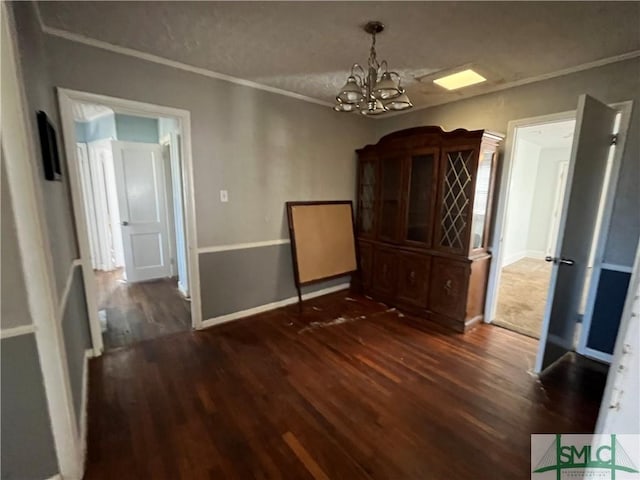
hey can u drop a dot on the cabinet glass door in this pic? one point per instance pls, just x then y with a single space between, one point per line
481 201
390 196
421 198
366 198
456 194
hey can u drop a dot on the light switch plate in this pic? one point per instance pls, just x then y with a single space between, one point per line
224 196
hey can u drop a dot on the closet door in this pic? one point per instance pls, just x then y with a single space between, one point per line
453 226
390 208
422 169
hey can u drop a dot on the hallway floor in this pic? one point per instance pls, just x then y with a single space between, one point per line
139 311
522 296
342 388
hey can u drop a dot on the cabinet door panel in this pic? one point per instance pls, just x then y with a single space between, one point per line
367 193
413 279
421 197
366 264
456 194
448 289
390 197
384 272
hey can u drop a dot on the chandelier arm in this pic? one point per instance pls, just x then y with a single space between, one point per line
356 67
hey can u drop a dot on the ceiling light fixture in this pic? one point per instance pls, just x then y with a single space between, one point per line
460 79
376 90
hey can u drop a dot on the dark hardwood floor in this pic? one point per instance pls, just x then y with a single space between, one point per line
140 311
344 389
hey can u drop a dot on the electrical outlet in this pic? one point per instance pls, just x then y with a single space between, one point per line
224 196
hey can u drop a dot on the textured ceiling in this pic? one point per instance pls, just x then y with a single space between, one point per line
308 47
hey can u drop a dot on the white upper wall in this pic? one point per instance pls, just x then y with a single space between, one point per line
520 201
546 184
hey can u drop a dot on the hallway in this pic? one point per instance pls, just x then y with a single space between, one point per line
141 311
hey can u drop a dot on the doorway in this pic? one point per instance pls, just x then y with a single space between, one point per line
131 190
578 246
534 204
132 169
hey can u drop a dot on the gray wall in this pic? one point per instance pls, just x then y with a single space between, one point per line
241 279
265 149
13 301
77 337
55 196
611 83
27 448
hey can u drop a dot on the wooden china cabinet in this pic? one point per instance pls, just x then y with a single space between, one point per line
424 201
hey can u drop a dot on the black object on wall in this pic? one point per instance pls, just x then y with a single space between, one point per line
49 147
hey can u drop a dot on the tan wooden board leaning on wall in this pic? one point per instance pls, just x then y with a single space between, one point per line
323 239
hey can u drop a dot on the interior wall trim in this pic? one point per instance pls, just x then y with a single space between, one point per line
74 37
616 267
525 81
271 306
17 331
67 288
242 246
88 354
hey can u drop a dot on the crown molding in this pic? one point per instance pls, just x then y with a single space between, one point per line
74 37
525 81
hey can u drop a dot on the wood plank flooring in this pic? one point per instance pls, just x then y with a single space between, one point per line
343 388
140 311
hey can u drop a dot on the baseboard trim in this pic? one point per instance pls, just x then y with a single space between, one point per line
88 354
211 322
536 254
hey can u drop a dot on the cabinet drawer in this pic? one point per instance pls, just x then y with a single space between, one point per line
448 288
413 279
366 264
384 272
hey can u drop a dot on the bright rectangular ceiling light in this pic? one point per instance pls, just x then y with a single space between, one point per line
460 79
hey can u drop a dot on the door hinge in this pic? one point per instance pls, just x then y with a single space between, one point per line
614 139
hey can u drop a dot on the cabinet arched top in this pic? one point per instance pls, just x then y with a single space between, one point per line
428 136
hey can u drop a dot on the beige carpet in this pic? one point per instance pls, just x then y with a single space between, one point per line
522 296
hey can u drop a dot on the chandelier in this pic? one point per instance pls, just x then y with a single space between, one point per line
376 90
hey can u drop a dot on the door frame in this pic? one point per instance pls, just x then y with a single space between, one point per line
66 97
500 215
172 141
495 270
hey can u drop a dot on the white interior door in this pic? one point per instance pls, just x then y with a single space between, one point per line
141 186
587 167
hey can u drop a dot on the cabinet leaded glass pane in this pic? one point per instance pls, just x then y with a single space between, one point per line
457 193
480 202
367 193
419 212
390 197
